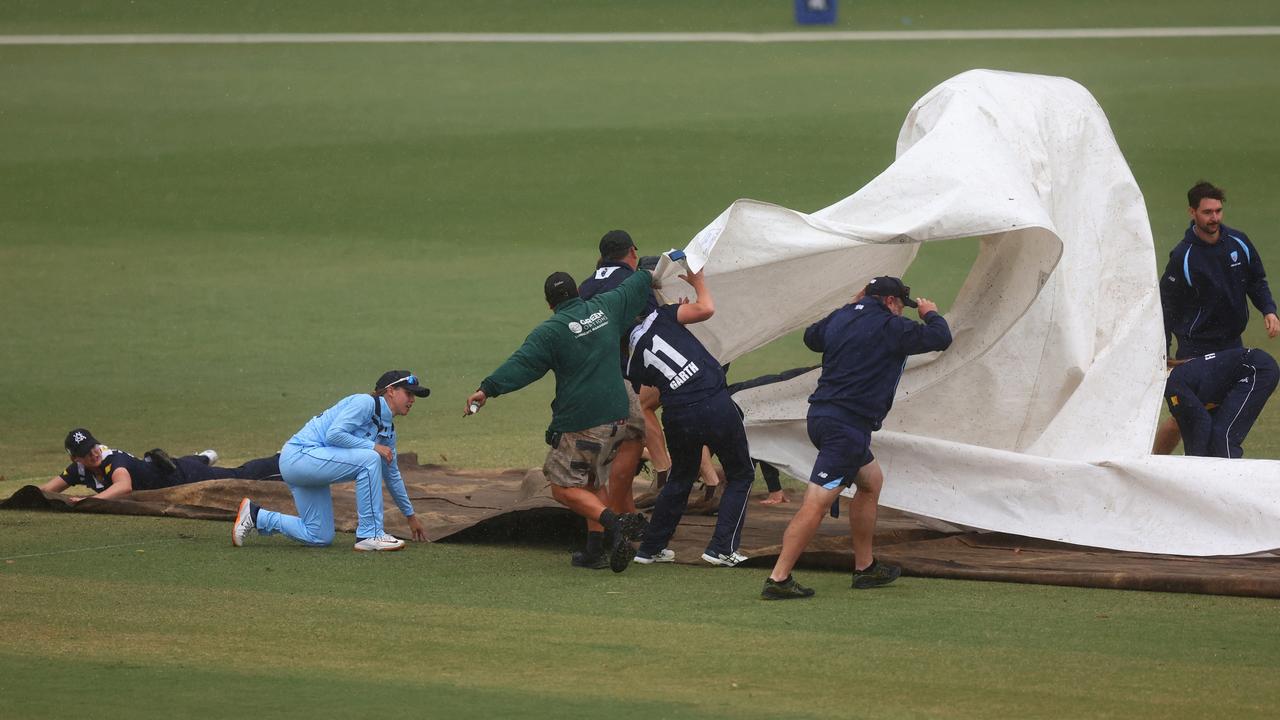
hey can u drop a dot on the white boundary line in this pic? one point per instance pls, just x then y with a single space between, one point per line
657 37
88 549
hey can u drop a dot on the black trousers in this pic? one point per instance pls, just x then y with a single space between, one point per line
191 468
715 423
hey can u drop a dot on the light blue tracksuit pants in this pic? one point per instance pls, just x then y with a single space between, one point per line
309 472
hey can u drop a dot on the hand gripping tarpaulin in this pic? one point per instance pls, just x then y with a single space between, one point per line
1039 419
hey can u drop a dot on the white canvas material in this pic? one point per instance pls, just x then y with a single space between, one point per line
1039 419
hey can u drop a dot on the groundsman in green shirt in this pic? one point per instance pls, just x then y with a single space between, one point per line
579 344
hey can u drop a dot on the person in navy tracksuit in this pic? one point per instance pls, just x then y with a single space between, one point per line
618 261
1206 287
1211 276
1216 398
116 474
696 412
864 348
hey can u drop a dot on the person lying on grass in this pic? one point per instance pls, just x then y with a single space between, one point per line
113 473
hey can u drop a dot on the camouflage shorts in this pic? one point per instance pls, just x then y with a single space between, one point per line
580 459
634 429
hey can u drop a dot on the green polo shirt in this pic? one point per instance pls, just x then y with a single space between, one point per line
579 343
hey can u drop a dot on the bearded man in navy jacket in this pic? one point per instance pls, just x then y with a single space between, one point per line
1206 288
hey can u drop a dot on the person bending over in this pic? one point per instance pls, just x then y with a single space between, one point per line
1216 398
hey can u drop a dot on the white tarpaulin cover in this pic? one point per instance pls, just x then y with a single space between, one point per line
1039 419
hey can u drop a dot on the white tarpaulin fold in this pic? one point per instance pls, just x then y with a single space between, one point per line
1039 418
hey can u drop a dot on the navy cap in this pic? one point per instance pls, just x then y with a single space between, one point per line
889 286
615 244
401 378
80 442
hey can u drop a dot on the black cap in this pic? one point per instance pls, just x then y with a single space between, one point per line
615 244
649 262
559 287
79 442
887 286
401 378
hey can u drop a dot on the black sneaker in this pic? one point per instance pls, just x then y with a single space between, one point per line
160 460
591 562
788 589
631 526
876 574
622 552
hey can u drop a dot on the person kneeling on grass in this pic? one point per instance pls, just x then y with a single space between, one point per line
353 440
696 412
115 473
864 348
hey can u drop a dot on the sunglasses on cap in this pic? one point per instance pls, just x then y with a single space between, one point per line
409 380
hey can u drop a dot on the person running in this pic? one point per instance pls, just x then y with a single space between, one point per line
618 260
355 440
579 344
697 413
864 348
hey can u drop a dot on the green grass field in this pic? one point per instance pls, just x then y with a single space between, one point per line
171 622
203 246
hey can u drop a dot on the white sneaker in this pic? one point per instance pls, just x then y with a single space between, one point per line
738 557
243 523
719 560
381 542
212 455
666 555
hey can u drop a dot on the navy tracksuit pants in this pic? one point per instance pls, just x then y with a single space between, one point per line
192 468
1221 432
717 424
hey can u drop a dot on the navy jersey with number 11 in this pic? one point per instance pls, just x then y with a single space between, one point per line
665 355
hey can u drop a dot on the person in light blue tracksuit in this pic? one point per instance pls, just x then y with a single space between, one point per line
354 440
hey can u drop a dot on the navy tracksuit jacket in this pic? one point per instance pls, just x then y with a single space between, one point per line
696 411
864 348
1206 288
1238 381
